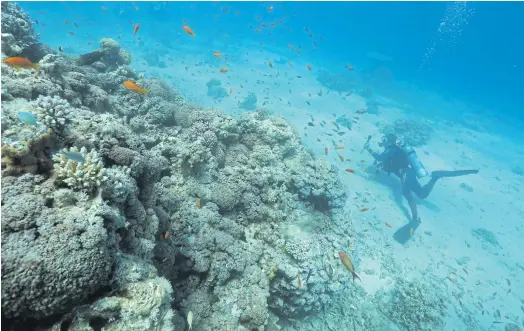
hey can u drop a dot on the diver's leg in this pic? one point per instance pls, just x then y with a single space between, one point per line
454 173
424 191
407 183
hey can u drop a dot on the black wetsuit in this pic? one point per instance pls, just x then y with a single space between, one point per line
394 160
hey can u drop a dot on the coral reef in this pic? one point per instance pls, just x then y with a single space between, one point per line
412 132
215 89
51 257
249 102
25 148
336 81
415 305
53 112
158 209
17 31
85 175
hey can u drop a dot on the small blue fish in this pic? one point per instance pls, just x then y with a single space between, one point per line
310 271
74 156
27 118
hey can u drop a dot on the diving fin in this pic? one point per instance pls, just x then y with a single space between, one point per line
454 173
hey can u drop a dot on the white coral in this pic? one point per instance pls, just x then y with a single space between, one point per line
52 112
85 175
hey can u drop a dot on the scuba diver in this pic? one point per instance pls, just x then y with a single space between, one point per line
401 159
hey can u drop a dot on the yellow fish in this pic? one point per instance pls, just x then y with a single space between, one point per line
347 262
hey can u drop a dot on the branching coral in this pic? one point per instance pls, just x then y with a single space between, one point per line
87 175
53 112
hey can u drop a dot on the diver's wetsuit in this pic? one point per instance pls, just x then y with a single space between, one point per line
394 160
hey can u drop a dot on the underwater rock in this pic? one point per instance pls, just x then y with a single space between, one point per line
337 82
372 106
215 89
90 58
485 236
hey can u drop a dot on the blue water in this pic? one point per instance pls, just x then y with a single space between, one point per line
482 66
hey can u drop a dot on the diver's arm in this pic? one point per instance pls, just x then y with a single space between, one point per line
381 156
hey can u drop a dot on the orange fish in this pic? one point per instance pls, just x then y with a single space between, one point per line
165 235
20 62
347 262
340 147
135 88
309 67
237 13
273 24
350 170
270 64
326 150
188 30
137 26
364 209
217 54
223 70
198 203
350 68
388 224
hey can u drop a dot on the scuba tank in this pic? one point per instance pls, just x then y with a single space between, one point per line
413 160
